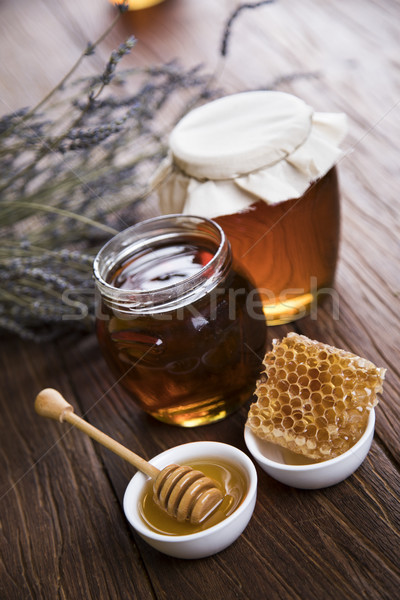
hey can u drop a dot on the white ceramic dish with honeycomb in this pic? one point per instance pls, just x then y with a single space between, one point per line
298 471
313 422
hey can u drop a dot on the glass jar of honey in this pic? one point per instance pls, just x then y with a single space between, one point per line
262 165
180 325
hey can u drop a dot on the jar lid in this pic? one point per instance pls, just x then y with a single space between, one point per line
240 133
264 145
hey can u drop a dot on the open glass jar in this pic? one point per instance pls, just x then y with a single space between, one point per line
262 165
179 325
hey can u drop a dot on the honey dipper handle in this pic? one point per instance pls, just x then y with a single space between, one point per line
51 404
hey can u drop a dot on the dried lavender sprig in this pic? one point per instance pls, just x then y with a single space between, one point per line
36 206
42 277
289 78
7 121
32 298
116 56
33 306
150 98
32 255
48 145
228 27
13 326
85 138
51 280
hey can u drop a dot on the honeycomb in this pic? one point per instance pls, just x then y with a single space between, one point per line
312 398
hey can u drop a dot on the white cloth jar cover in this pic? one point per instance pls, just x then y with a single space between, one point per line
227 154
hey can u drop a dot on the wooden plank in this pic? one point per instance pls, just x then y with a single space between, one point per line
64 533
325 536
61 520
40 41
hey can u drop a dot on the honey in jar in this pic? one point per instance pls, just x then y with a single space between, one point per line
262 165
229 478
180 326
290 248
137 4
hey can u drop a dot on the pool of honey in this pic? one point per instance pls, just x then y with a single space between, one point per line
191 365
290 249
229 478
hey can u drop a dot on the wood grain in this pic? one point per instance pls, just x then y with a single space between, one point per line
54 536
63 531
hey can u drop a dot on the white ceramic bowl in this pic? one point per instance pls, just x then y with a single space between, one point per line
211 540
281 464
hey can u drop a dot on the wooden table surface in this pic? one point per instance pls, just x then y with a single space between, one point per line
63 531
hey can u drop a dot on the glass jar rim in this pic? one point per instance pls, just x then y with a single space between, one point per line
156 230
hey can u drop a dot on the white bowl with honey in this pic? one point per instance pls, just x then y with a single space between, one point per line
225 464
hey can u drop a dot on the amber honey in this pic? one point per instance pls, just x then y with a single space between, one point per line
177 329
137 4
290 249
229 478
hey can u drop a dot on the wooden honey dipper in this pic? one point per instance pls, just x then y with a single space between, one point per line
183 492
